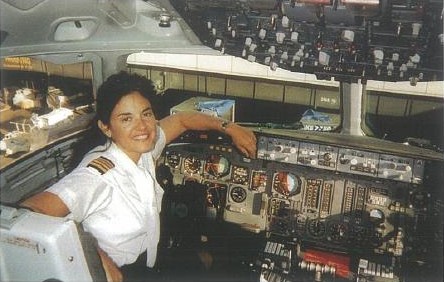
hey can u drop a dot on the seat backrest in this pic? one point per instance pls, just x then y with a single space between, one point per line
37 247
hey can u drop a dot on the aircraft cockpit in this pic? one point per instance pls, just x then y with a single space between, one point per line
345 98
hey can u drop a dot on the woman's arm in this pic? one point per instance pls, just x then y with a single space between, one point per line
112 271
46 203
243 138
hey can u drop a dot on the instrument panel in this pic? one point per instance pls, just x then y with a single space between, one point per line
368 205
343 39
347 160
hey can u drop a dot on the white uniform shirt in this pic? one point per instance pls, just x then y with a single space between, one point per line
117 201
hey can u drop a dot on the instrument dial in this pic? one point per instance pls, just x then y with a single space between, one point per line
360 235
191 165
377 216
337 232
316 228
217 166
238 194
240 175
419 199
327 157
173 160
286 183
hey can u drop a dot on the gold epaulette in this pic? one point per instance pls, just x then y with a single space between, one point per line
101 164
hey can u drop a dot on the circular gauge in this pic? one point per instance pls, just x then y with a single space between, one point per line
191 165
337 232
316 228
418 199
217 166
377 216
173 160
327 157
360 235
240 175
286 183
238 194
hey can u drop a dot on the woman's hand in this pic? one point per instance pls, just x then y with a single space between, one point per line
112 271
243 138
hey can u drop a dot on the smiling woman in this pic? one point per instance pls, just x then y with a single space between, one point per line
113 192
132 125
125 115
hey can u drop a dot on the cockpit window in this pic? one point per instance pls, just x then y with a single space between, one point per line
41 103
405 118
259 102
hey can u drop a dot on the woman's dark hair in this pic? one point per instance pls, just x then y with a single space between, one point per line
109 94
117 86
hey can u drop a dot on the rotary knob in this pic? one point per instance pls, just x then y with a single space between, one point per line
327 157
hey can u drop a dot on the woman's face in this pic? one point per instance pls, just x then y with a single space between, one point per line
132 125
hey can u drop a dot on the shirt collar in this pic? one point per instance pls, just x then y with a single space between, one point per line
123 158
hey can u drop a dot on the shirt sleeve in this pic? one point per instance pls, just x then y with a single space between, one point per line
160 143
83 192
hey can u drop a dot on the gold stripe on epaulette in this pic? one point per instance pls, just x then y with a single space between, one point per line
101 164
